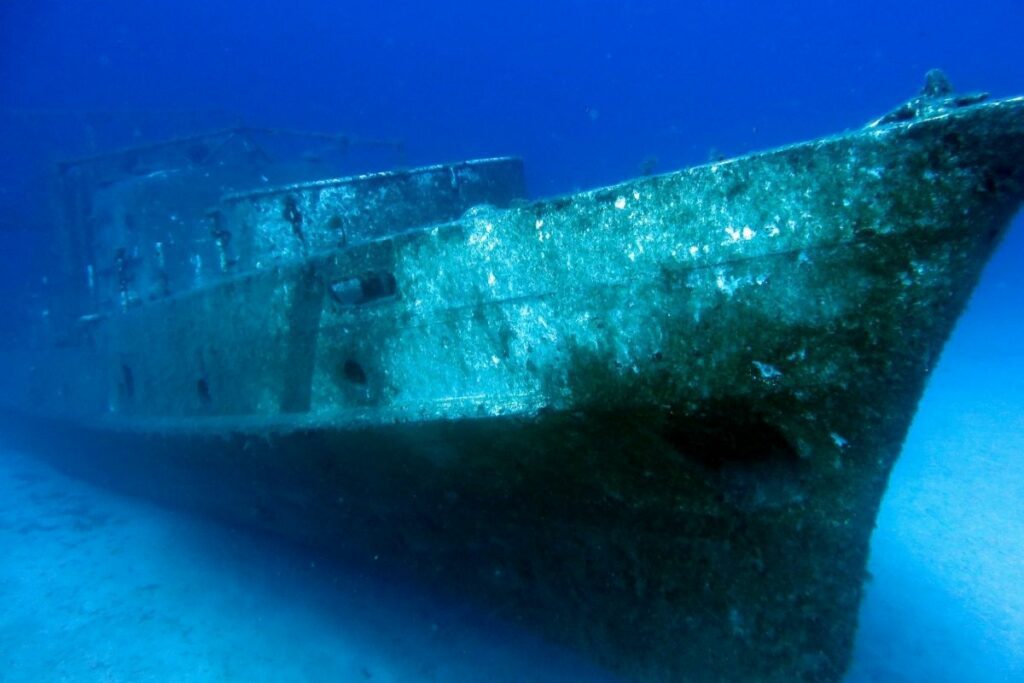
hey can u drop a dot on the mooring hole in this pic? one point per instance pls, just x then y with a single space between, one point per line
368 287
353 372
749 459
378 285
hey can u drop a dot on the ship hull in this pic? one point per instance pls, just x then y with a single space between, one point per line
654 422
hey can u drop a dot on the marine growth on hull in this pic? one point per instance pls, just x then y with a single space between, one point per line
652 421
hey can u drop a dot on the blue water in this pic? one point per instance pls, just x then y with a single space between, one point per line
98 588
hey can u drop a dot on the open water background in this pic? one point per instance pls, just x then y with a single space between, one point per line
94 587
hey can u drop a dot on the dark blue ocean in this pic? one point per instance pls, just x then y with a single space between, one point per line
96 587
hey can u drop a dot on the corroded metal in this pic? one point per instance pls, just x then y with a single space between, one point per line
285 223
653 421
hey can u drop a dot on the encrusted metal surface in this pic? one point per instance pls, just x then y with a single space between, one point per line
653 420
292 222
156 234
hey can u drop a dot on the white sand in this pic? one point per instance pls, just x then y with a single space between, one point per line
94 587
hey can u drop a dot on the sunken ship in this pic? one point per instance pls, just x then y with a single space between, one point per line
652 421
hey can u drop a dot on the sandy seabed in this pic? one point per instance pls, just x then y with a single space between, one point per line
95 587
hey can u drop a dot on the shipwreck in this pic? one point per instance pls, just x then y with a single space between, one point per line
652 421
